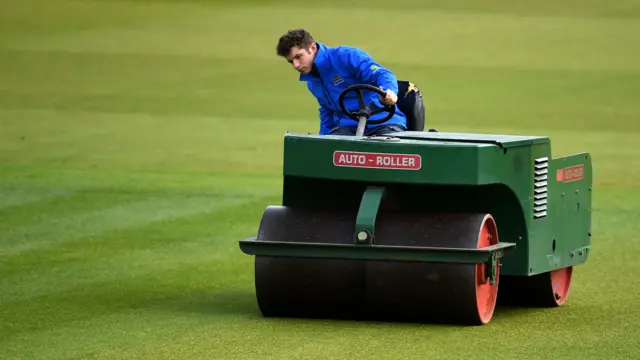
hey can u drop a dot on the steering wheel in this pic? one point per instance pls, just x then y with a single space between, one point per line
365 111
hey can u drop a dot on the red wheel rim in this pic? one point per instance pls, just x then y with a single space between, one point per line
486 294
560 284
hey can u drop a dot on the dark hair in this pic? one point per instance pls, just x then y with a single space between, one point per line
292 38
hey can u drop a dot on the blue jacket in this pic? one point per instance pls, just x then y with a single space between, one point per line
339 67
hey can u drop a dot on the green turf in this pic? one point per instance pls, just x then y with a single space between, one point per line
140 140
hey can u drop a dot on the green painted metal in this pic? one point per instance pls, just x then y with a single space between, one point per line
492 266
503 141
567 229
489 254
366 219
513 178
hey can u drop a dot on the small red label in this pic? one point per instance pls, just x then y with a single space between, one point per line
377 160
572 173
559 175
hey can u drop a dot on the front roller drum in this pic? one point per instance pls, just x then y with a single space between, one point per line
303 287
433 292
549 289
377 290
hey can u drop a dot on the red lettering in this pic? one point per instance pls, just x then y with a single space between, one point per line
377 160
572 173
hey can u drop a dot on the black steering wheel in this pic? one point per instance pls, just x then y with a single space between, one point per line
365 110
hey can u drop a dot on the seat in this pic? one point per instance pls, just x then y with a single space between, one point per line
411 103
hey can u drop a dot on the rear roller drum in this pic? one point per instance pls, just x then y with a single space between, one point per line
560 285
549 289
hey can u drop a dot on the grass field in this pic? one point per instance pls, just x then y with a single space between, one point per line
140 140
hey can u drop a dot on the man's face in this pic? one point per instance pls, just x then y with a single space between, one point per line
302 58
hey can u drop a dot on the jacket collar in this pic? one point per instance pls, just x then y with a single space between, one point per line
321 60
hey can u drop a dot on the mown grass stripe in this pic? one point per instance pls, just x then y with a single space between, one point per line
75 203
127 253
154 285
10 198
57 230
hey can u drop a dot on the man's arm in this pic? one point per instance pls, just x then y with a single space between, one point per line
368 70
326 120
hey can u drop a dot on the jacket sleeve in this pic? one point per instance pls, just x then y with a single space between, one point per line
326 120
366 69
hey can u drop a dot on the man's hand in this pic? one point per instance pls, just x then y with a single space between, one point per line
390 98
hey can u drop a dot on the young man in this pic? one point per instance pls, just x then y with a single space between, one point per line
330 70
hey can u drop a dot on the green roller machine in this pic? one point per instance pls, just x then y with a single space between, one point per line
420 226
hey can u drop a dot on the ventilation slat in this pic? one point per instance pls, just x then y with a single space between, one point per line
540 196
541 190
541 171
540 215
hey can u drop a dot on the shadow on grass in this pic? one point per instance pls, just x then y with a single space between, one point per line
243 303
514 311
